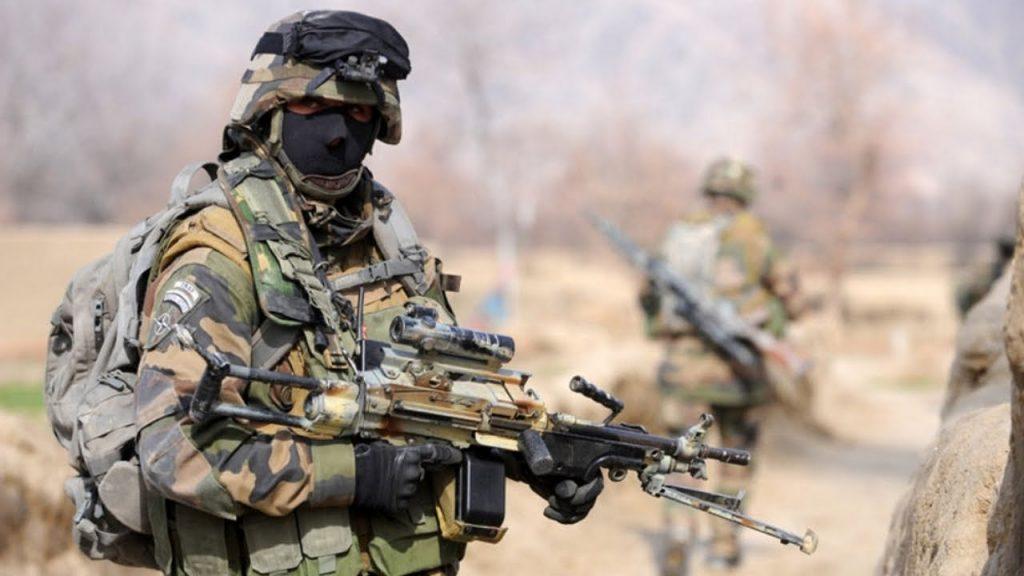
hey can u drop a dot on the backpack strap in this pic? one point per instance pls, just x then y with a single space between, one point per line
139 251
182 185
397 240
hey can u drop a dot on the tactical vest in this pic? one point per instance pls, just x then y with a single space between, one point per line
304 329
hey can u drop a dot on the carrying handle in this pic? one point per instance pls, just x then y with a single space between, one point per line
580 385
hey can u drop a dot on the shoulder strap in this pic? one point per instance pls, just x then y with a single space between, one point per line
182 185
140 253
397 240
380 271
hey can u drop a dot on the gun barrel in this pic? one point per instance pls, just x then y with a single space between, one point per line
273 377
726 455
670 446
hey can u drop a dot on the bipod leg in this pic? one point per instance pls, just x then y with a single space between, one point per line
807 544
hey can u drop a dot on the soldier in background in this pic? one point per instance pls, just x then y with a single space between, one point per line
725 252
980 280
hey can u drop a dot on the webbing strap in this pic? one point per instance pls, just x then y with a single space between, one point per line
272 342
385 270
397 239
182 182
296 263
274 231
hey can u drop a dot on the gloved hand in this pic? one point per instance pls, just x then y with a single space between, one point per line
569 500
650 299
387 476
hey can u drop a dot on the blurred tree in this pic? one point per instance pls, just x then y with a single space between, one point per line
829 139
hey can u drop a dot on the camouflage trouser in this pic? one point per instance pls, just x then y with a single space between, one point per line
736 427
692 374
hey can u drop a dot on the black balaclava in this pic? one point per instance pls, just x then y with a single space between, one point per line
328 143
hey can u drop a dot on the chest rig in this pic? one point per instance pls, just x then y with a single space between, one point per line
310 325
290 275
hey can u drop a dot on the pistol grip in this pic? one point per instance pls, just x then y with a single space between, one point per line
535 452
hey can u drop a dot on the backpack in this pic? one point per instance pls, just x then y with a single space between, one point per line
691 250
92 358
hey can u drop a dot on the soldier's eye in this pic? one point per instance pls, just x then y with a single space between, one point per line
359 112
307 106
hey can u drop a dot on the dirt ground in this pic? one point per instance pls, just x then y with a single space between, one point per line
880 386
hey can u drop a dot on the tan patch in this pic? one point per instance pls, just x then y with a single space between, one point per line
191 468
239 484
225 339
262 262
280 456
157 408
186 365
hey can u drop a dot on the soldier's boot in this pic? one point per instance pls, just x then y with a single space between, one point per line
738 429
676 558
725 551
680 540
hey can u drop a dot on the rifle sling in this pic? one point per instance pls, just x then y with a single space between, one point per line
272 342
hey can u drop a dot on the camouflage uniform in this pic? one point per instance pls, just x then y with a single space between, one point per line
745 270
235 498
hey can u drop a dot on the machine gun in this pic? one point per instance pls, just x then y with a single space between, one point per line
435 382
754 355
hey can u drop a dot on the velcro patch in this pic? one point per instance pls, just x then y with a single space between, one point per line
184 295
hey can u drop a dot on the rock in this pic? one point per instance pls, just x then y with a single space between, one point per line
953 515
940 528
980 375
1006 528
35 515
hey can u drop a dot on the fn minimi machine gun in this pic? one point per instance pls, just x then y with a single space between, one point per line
439 383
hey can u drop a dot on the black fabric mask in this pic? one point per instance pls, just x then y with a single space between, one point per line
327 143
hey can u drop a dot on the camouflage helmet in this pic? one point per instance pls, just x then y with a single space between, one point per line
730 177
331 54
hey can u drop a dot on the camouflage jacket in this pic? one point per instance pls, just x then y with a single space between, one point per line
205 281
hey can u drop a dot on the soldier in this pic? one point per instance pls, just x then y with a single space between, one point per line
726 253
275 278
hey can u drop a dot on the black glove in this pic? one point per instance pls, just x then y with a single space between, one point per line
569 500
387 476
650 299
